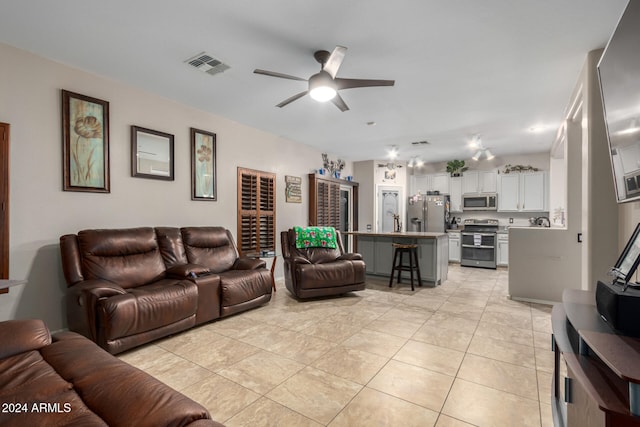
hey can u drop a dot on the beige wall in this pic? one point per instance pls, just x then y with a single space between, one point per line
41 212
542 263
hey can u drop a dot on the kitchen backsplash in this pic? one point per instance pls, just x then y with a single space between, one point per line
520 219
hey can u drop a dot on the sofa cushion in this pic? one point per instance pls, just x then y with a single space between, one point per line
148 307
119 393
127 257
212 247
26 379
240 286
327 275
18 336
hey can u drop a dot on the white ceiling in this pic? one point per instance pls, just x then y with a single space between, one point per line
462 67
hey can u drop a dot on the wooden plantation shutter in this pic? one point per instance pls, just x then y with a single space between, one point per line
324 202
256 212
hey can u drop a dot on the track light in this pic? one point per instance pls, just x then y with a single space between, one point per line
476 142
489 154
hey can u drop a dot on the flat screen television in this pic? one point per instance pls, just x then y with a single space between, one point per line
619 76
628 261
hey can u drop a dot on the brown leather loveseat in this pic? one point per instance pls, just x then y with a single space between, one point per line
320 271
131 286
68 380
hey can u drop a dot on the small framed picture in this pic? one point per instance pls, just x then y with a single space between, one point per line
85 143
293 189
203 165
151 154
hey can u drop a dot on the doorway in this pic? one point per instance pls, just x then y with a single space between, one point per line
388 205
4 202
346 216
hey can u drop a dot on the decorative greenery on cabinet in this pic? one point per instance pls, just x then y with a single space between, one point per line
456 167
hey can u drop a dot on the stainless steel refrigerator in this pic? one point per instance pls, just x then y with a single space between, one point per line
428 213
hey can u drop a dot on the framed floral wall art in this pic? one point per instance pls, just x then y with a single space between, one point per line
85 143
203 165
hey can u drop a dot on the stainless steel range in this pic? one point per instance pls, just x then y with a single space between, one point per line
479 243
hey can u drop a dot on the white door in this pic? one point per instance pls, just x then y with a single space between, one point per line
388 206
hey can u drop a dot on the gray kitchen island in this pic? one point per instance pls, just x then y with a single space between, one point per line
433 253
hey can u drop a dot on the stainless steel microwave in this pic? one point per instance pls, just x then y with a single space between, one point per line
480 202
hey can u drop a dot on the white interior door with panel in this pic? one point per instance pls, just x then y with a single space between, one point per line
389 204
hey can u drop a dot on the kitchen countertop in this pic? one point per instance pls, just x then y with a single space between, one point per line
414 234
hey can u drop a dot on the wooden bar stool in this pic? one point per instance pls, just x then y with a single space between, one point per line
401 249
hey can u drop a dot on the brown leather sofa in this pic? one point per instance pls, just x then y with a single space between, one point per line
68 380
317 272
127 287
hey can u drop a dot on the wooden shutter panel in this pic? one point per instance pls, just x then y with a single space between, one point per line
256 211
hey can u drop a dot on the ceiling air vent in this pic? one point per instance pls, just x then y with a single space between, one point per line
420 143
207 63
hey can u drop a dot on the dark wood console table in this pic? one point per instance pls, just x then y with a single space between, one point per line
596 379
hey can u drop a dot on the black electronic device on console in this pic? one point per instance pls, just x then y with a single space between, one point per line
618 302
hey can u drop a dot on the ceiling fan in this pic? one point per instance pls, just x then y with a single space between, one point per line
324 85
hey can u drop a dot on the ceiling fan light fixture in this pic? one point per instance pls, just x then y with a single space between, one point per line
322 88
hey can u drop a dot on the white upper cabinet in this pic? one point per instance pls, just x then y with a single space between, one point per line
522 192
432 182
479 182
440 182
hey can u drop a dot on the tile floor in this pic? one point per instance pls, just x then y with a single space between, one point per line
461 354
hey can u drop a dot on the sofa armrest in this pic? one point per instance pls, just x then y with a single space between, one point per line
350 256
246 263
19 336
82 300
299 260
187 271
117 392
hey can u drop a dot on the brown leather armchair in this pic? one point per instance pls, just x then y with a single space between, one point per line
316 272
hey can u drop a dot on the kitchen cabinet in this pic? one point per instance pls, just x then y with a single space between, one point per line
479 182
454 246
455 191
502 258
440 182
433 250
431 182
523 192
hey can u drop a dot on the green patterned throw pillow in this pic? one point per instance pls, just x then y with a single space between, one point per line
315 237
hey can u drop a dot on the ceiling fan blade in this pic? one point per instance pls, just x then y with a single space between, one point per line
291 99
281 75
353 83
335 60
339 102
